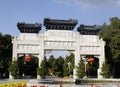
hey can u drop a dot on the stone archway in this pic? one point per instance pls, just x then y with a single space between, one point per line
57 38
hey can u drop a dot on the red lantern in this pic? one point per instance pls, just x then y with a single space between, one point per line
28 58
90 60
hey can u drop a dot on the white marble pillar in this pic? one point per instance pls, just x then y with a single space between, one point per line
14 51
41 52
77 56
40 57
101 59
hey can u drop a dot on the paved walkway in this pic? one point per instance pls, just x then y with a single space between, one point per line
60 79
47 78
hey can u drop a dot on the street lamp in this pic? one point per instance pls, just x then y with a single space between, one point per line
69 66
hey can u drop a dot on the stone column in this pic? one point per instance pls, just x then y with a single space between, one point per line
14 54
77 55
101 59
41 52
41 57
14 51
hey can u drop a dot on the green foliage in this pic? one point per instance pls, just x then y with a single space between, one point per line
66 72
115 44
13 68
65 67
111 35
105 70
81 68
60 62
42 70
59 66
59 74
56 65
72 61
68 59
115 23
5 53
50 61
1 67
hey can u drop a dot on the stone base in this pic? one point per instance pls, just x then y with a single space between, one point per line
103 82
99 75
39 77
11 77
74 74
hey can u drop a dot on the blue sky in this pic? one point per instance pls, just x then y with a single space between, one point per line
88 12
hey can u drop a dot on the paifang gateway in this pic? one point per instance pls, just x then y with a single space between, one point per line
59 35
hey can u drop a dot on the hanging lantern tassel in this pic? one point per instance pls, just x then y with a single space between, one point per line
28 58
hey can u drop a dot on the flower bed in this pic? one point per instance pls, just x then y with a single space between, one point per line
14 84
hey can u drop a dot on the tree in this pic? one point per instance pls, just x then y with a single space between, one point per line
60 62
72 61
65 66
81 68
115 23
13 68
54 66
5 53
43 70
1 68
50 61
105 69
111 35
68 59
115 44
115 40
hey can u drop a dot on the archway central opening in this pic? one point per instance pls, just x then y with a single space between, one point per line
60 63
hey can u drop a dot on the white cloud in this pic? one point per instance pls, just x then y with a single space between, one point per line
91 3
